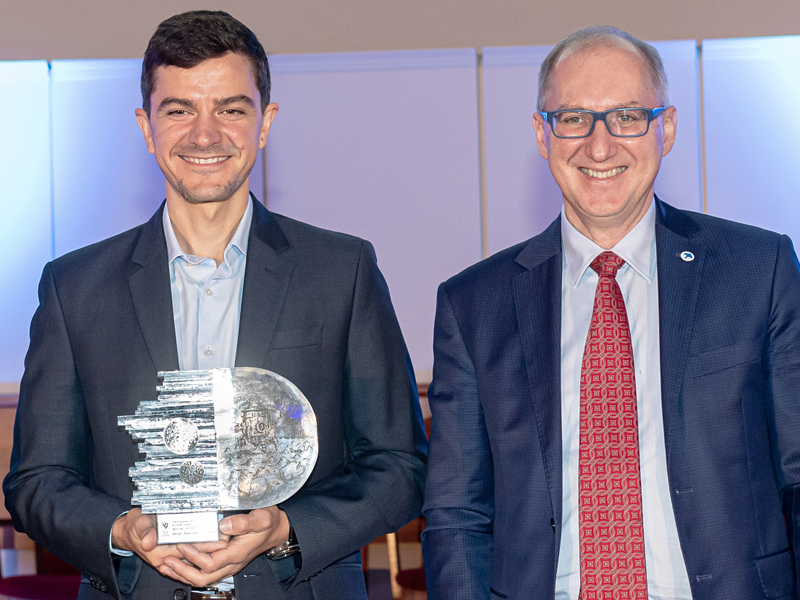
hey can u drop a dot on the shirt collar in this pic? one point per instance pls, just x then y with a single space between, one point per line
635 248
237 245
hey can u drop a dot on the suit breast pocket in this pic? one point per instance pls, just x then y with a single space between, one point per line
297 338
721 359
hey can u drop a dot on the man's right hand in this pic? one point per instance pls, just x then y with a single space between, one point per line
137 533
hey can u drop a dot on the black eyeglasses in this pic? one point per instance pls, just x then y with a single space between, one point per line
620 122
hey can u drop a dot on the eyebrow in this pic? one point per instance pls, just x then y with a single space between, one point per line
633 104
171 100
179 101
235 100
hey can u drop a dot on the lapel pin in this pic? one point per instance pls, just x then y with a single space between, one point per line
687 256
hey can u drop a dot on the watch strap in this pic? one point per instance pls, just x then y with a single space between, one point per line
288 548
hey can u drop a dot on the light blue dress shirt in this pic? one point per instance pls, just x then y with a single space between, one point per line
206 304
638 279
207 299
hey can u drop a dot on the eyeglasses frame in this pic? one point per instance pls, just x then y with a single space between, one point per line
652 114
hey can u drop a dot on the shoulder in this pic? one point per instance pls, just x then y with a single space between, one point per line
320 254
304 237
494 271
722 238
101 257
493 275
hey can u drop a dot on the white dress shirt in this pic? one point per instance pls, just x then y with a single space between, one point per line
638 279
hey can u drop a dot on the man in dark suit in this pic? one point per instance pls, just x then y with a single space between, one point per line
615 401
213 280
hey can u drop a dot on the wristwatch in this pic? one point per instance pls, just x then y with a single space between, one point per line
288 548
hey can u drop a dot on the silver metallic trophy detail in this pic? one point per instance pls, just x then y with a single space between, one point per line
215 440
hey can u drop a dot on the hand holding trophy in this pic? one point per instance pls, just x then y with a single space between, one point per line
219 440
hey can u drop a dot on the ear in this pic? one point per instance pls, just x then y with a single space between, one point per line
670 129
269 115
540 128
144 124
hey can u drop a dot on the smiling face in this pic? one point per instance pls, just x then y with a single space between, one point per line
606 181
205 128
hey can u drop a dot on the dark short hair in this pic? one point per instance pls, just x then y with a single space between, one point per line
190 38
600 36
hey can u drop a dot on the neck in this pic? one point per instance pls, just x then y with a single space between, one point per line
605 231
205 229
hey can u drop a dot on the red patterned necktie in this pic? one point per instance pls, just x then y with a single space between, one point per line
610 491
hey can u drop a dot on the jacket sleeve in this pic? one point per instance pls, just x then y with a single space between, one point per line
459 503
49 490
380 486
782 378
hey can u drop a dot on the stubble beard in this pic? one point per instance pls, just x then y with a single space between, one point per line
221 193
204 194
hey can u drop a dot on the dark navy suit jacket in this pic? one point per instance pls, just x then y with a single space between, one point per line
315 309
730 377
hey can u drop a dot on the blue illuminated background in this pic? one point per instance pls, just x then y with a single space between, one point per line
387 146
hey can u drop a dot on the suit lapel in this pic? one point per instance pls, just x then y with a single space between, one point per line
152 299
537 299
678 285
266 282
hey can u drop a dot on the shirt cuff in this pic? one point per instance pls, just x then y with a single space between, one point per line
117 551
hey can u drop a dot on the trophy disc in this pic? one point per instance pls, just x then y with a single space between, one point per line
222 439
274 444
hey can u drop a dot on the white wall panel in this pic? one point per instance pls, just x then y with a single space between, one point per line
105 181
751 91
384 146
680 180
522 197
25 220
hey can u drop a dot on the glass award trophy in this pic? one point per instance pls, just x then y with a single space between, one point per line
219 440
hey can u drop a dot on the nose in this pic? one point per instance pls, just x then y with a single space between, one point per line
205 131
600 146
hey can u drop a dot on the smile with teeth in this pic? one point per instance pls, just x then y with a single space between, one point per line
602 174
205 161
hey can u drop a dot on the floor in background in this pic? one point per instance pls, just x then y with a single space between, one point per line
378 574
378 587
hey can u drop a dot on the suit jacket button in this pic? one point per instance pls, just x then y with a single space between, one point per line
179 594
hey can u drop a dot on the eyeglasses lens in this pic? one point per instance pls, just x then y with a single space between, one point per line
622 123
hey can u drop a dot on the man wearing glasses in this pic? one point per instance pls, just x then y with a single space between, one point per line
615 408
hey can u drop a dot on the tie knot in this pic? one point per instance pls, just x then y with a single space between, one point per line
607 263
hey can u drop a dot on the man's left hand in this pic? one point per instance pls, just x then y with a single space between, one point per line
251 534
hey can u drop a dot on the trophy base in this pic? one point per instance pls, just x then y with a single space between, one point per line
188 528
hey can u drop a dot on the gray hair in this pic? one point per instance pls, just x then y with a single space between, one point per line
603 36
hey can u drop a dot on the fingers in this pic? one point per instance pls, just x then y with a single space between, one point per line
203 560
209 567
137 533
246 523
189 573
230 560
133 529
209 547
166 571
148 536
260 520
243 537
